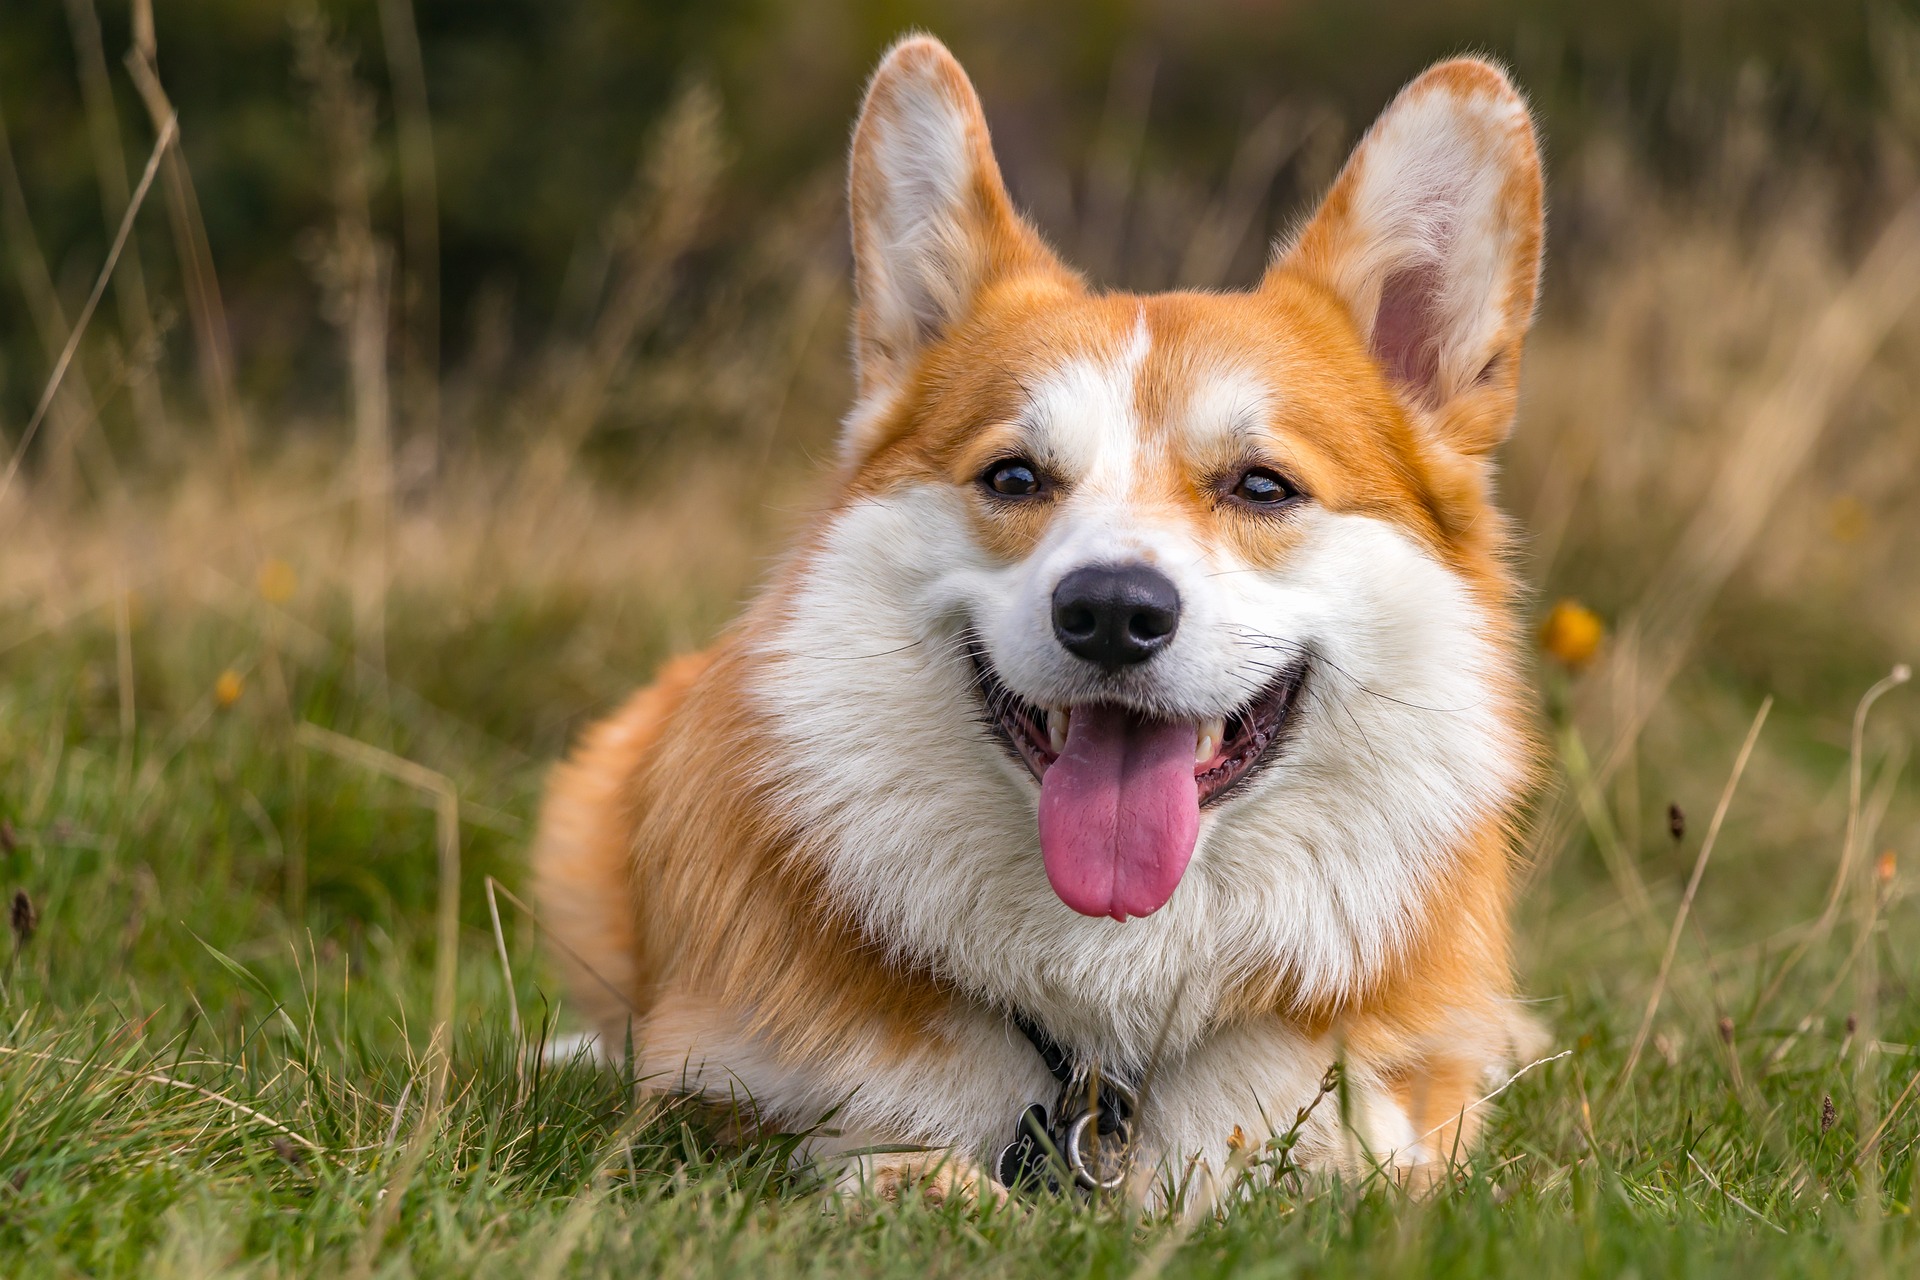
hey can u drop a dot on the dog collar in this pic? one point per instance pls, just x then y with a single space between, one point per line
1085 1141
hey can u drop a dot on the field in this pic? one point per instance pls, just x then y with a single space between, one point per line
281 685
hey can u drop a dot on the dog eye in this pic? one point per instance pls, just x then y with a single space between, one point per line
1012 478
1263 488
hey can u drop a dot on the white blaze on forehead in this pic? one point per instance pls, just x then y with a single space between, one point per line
1223 403
1083 414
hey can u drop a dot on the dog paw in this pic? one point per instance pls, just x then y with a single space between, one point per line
937 1177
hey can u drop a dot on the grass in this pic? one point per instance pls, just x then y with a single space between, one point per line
242 680
219 1051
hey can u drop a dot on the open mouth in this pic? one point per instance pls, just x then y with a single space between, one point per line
1121 791
1226 750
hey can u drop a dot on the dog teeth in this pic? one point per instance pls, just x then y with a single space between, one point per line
1058 720
1207 739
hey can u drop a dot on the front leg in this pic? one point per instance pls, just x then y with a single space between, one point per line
939 1175
1407 1106
1445 1077
952 1090
1212 1115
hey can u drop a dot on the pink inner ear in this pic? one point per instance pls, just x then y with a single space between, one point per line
1404 337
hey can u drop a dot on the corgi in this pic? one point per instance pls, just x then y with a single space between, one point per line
1143 727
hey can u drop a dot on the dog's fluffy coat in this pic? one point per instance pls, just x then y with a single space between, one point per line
800 871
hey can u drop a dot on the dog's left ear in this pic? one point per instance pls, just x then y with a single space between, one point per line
1431 237
933 227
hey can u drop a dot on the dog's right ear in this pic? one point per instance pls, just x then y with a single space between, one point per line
932 224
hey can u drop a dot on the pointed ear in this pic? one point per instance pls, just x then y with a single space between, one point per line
1431 236
932 224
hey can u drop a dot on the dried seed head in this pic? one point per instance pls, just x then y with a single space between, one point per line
1666 1048
1827 1114
1726 1029
8 841
1853 1023
23 918
1677 822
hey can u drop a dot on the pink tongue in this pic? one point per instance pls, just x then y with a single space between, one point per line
1119 812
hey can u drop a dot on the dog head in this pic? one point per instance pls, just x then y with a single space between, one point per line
1184 611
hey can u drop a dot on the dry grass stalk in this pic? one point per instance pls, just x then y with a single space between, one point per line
141 336
1822 927
1851 842
506 965
1872 1143
160 150
155 1077
445 966
506 977
1733 1199
1693 887
1846 968
73 412
213 349
553 939
354 269
651 231
1866 1000
446 798
1485 1098
387 1206
419 225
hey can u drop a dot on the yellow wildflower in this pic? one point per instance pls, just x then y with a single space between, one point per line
1846 519
277 581
228 688
1572 633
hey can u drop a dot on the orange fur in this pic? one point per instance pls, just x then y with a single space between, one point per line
686 899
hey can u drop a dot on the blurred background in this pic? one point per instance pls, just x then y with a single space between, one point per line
467 357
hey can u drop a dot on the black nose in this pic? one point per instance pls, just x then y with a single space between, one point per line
1115 614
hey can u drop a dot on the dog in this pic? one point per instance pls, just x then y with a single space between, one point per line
1143 727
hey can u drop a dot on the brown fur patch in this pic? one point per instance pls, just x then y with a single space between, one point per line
665 887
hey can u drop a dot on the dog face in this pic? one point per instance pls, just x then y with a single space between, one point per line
1160 641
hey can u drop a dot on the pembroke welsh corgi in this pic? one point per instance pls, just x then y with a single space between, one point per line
1142 728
